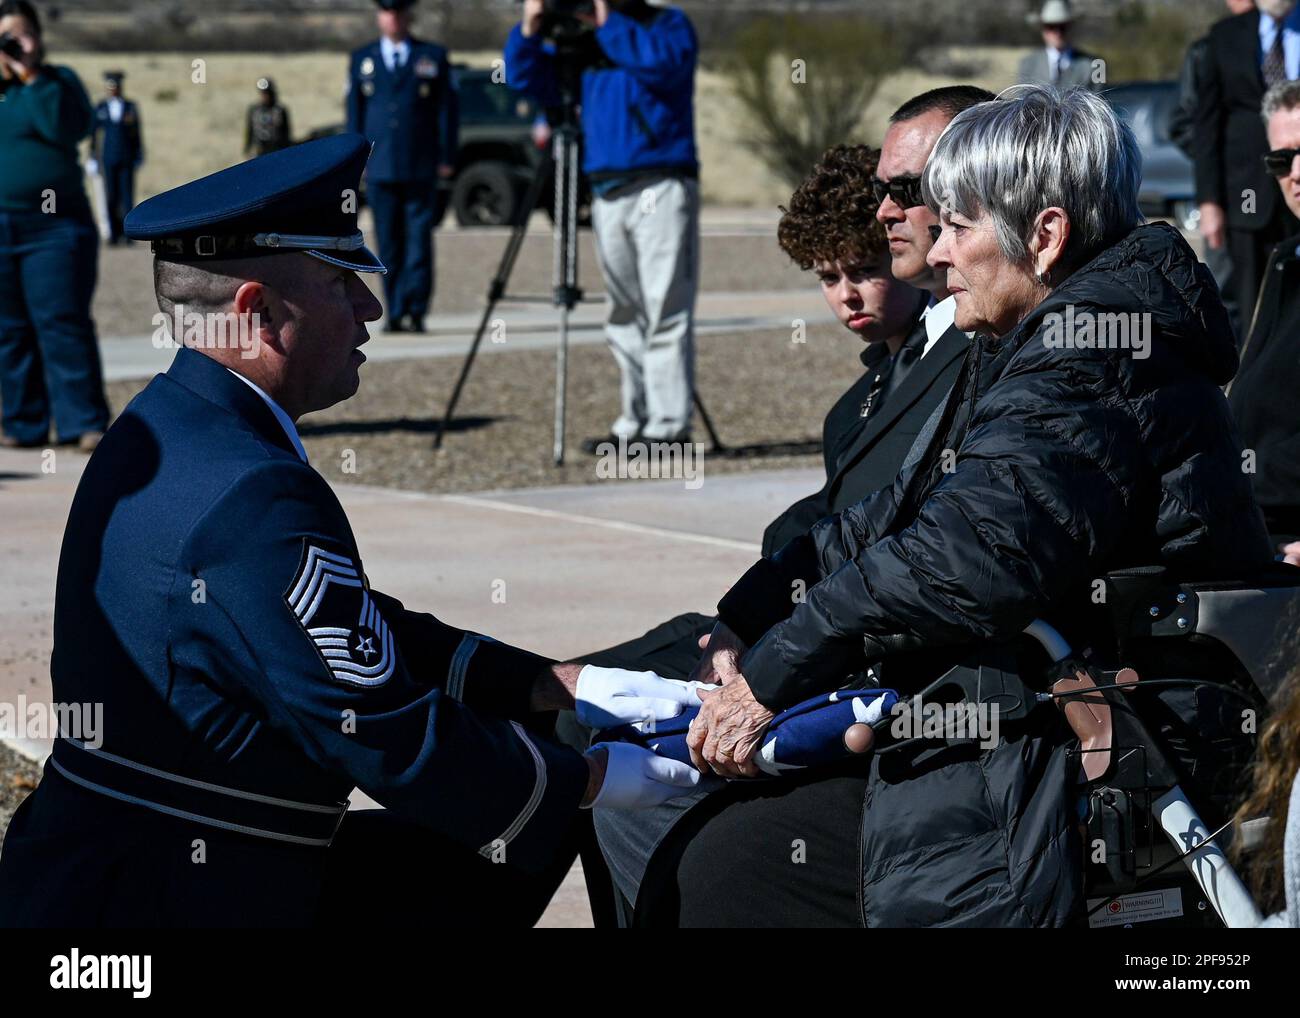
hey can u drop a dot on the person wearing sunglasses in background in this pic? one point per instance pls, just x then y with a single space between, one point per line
1262 396
852 204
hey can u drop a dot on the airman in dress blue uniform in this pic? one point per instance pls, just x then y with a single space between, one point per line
118 148
401 96
212 598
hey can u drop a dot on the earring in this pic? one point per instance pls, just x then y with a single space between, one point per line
1041 276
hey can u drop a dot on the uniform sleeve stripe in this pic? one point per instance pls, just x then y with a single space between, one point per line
320 571
459 666
344 667
319 562
534 800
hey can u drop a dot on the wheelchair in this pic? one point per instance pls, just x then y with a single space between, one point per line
1165 682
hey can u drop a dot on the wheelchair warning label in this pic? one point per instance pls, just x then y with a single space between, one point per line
1136 908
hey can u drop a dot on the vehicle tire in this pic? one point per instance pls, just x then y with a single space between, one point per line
485 194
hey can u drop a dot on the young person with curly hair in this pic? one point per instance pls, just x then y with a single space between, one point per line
830 227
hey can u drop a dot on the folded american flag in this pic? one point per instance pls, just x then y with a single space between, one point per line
806 735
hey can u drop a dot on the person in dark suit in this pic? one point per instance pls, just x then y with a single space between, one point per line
401 96
118 149
212 603
1239 205
1262 396
850 207
1058 62
1182 131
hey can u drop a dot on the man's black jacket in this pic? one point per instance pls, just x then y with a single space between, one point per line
863 455
1263 395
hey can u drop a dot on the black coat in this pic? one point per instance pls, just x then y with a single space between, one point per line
865 455
1182 119
1263 395
1230 139
1069 463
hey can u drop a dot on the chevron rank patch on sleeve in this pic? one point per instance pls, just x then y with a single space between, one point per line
331 601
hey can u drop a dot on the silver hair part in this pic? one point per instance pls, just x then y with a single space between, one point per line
1283 96
1035 148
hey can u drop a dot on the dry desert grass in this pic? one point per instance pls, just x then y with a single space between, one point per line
193 128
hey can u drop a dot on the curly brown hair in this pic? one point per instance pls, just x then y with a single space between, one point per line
832 214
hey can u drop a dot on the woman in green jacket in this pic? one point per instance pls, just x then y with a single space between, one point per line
49 248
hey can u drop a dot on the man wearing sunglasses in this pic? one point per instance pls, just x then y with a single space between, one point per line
910 227
1262 395
1245 55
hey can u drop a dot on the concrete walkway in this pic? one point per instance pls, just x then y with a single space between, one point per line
516 325
580 567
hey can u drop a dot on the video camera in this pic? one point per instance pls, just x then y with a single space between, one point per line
11 46
564 17
574 38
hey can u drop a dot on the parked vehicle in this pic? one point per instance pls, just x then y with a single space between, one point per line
1168 189
504 137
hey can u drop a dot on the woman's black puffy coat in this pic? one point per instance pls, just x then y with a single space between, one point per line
1069 463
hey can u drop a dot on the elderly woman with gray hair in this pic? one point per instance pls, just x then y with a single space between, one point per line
1086 433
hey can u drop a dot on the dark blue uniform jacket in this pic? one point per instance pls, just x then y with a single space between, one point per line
410 114
212 597
118 144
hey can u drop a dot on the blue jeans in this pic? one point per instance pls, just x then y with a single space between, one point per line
49 357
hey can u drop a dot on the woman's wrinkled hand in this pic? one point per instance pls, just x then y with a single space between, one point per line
726 734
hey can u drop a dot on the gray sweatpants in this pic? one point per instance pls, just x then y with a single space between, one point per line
647 241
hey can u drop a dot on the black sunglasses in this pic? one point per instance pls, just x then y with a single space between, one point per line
1278 162
905 190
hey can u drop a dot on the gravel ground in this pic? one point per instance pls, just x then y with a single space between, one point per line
767 397
466 262
18 776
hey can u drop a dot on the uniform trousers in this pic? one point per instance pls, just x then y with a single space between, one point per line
405 214
647 242
119 195
126 866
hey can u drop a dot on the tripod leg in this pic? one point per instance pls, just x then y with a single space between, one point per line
708 423
567 293
561 386
496 290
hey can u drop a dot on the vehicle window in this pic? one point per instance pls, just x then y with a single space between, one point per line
482 99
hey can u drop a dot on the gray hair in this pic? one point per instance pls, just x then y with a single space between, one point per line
1283 96
1035 148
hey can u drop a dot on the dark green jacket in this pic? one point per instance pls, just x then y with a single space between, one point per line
40 126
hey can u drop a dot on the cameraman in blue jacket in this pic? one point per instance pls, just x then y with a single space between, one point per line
639 141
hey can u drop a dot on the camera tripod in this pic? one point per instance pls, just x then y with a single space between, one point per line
566 143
